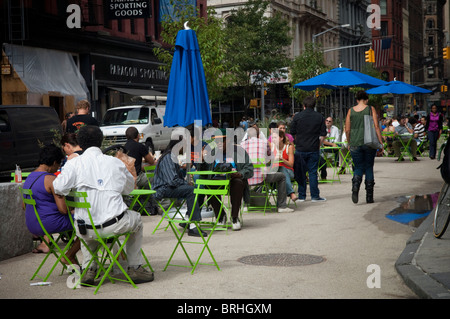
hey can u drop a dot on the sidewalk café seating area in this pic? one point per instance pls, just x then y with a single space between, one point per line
111 253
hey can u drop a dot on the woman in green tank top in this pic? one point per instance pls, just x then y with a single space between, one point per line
363 156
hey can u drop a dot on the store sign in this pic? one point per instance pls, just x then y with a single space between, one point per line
129 71
127 9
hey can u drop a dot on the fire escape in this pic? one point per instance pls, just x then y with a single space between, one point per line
16 34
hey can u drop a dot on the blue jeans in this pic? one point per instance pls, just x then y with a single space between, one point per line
185 192
289 176
363 160
311 160
433 137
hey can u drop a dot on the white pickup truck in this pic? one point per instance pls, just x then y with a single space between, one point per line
147 119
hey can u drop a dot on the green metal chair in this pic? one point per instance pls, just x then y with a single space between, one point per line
211 188
24 176
261 194
423 148
142 196
55 249
104 250
174 203
136 194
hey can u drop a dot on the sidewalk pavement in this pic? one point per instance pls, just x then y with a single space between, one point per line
424 264
348 237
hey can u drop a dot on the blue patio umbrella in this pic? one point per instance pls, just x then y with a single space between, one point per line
340 78
187 96
398 88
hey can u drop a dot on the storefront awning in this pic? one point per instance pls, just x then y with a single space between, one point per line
44 71
141 92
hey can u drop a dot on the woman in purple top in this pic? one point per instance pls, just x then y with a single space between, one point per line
51 207
434 129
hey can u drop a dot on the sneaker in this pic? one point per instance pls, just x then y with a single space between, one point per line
140 275
285 210
194 232
236 225
89 277
222 222
317 200
416 159
300 200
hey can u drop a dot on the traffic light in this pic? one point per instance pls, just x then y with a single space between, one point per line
444 88
446 53
370 56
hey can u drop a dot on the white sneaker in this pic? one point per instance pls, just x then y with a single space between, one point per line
236 225
299 200
285 210
222 222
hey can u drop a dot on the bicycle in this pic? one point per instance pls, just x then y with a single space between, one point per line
442 212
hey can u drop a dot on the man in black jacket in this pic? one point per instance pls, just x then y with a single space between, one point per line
309 130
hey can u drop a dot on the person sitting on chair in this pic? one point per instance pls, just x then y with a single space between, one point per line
258 149
238 180
404 128
51 207
331 140
105 179
169 182
138 151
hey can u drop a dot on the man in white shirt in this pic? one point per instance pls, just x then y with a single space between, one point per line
333 136
105 179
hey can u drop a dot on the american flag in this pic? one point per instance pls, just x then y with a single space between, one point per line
381 48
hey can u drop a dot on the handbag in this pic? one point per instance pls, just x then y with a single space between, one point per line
223 167
370 135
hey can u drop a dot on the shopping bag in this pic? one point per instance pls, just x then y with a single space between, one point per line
370 135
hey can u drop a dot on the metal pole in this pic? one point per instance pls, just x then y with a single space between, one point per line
262 101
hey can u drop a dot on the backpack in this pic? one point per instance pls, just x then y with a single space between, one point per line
445 166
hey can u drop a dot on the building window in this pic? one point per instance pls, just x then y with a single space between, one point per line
430 24
384 28
383 7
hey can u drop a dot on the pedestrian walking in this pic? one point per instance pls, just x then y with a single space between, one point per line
434 129
362 155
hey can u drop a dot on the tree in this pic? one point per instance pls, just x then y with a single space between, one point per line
211 40
258 42
305 66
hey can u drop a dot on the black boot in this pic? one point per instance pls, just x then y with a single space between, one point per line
369 190
356 183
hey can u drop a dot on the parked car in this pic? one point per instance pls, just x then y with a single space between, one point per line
23 130
147 119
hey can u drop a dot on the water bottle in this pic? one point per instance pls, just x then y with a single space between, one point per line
18 174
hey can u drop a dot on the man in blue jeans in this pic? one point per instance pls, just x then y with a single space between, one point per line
169 182
309 130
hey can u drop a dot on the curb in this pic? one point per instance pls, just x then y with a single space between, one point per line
415 277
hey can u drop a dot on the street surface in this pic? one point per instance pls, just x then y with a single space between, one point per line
357 243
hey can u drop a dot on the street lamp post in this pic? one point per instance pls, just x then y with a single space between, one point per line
338 26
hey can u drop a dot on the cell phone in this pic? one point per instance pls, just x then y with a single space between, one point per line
81 227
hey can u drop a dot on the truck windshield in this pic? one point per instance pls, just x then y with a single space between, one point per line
126 116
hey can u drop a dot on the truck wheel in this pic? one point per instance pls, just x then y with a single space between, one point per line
151 147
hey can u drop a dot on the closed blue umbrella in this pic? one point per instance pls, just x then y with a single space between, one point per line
397 87
187 96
